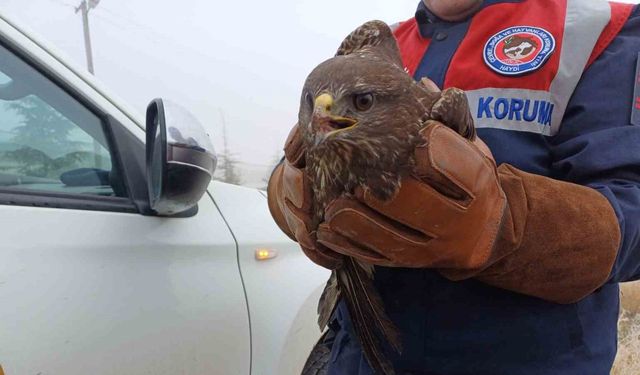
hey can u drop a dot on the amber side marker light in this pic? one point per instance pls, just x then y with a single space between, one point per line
263 254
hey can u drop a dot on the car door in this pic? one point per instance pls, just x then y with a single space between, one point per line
90 281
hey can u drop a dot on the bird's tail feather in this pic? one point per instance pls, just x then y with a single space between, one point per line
368 315
328 301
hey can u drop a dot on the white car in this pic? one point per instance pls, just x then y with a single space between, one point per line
96 277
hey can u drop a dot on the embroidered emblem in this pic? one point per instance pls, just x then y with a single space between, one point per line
518 50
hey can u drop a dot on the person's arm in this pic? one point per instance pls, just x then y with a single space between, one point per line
597 146
460 214
540 236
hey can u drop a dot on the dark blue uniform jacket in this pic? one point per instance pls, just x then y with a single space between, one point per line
468 328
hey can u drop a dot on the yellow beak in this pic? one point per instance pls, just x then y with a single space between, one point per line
324 121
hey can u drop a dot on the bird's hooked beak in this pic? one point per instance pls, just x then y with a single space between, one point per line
324 123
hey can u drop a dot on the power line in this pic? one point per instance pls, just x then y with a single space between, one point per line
114 20
119 24
118 20
104 10
129 20
63 3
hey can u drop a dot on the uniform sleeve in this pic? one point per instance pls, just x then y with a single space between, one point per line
597 146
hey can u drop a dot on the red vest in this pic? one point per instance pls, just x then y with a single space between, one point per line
565 37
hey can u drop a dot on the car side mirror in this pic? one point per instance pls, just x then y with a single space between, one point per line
180 158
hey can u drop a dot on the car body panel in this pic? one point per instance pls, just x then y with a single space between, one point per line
89 292
100 292
283 292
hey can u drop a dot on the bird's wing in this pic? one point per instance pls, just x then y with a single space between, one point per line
372 35
452 109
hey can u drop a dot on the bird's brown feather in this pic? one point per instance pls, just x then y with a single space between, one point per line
373 155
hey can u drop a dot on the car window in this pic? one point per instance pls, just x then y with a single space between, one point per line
48 140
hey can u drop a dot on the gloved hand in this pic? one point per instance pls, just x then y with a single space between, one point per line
289 197
446 215
462 215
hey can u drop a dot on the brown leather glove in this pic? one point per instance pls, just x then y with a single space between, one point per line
289 197
462 215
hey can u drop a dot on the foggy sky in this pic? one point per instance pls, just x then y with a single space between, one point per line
246 60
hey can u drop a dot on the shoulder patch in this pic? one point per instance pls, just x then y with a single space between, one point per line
518 49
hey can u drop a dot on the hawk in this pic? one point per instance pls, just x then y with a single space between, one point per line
360 117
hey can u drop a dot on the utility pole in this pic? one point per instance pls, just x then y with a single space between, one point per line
84 7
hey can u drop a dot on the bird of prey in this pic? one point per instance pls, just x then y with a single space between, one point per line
360 117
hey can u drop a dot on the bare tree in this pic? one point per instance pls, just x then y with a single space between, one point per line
227 162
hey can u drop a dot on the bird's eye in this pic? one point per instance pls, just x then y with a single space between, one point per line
308 99
363 102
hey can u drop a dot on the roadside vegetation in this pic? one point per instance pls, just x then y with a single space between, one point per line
628 359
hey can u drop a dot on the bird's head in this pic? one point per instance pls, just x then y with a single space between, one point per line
363 94
360 115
